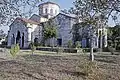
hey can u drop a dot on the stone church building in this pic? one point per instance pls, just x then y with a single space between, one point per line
24 31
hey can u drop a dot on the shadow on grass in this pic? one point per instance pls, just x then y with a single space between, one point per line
35 57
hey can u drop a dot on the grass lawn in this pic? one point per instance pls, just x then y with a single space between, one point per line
52 66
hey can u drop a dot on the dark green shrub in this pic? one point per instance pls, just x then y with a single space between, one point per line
95 50
77 44
118 47
88 49
111 49
4 44
105 49
69 44
37 45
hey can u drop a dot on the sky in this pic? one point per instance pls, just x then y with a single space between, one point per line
64 4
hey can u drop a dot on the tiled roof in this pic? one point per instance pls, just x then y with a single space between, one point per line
69 15
35 18
28 21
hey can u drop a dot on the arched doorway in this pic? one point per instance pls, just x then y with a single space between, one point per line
59 42
36 42
23 40
18 38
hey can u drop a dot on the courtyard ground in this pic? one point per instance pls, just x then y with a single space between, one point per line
52 66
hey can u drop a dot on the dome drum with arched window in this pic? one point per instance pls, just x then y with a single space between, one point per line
49 9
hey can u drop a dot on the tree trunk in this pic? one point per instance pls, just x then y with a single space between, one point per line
91 54
101 42
91 50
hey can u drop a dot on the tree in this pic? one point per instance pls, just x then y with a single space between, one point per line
2 34
50 30
76 34
96 13
10 9
113 36
104 7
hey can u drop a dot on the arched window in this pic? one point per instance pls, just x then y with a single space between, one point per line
46 11
41 11
51 11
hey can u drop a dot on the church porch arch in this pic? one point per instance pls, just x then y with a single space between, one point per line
18 38
23 40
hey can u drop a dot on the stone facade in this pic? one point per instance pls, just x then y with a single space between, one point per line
15 28
20 32
64 27
83 34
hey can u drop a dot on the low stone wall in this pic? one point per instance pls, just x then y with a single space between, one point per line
47 49
55 49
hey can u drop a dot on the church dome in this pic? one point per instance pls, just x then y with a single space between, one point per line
49 9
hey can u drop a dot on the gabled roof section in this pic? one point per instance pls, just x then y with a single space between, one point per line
68 15
35 18
27 21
